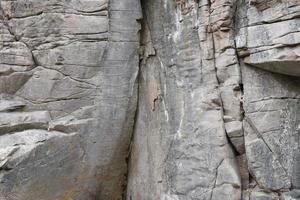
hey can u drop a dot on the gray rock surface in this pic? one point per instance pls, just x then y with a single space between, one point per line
149 99
180 146
68 97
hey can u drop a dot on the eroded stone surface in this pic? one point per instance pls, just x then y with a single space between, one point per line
180 146
271 37
268 40
68 97
215 84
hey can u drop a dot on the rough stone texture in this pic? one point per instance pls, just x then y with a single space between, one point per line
68 96
199 84
149 99
180 146
268 39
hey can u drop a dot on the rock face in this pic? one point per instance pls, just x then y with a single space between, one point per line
149 99
68 72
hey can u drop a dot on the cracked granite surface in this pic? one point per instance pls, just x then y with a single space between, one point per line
149 99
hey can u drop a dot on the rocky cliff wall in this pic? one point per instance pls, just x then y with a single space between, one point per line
68 97
218 112
150 99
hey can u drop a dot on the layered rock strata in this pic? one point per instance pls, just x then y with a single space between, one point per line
68 97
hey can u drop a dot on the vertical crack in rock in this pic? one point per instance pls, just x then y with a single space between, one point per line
179 125
132 135
241 159
270 99
216 70
199 99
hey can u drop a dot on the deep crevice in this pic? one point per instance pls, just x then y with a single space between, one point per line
132 135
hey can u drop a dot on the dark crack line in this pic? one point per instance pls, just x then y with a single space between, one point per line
260 136
275 98
215 181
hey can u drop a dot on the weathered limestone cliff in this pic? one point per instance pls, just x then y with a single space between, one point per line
149 99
